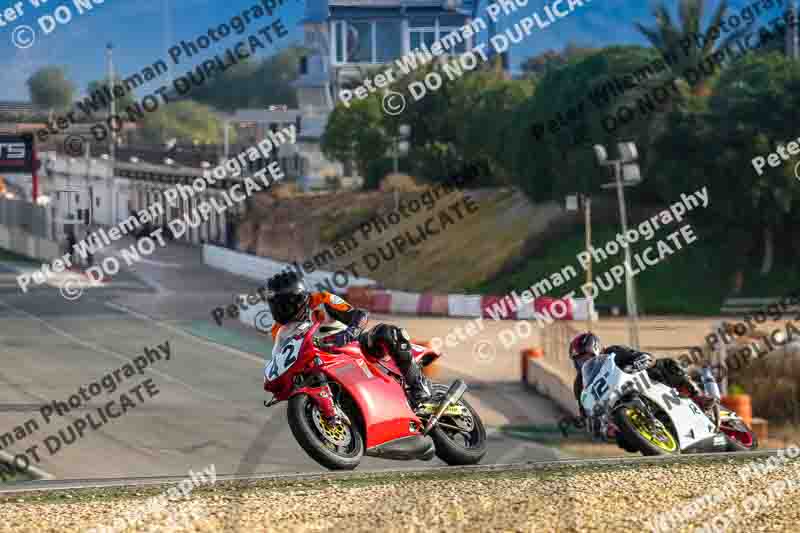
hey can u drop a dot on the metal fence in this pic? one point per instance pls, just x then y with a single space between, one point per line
26 216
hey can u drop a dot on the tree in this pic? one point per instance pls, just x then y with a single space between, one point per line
184 120
49 88
120 102
356 134
252 84
537 66
666 36
562 162
750 108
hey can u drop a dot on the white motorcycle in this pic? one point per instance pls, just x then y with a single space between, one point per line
652 418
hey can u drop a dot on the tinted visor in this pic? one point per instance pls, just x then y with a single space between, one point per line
287 306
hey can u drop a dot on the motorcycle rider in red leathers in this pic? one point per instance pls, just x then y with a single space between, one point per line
289 300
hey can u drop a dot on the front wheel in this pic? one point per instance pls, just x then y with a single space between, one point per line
338 447
460 437
651 437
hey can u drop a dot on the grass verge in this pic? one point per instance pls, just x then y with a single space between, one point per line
694 280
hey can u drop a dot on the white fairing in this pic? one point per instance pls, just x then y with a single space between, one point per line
607 382
286 349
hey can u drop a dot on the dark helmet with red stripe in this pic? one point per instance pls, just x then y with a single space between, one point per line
584 347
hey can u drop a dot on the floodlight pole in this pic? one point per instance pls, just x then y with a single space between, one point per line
633 315
587 211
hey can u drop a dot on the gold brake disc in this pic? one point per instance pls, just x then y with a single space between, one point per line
338 434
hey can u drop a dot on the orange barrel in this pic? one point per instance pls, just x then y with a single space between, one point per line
740 404
533 353
529 353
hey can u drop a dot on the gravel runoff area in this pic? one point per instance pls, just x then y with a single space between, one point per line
608 495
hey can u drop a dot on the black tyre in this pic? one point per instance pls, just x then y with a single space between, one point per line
339 447
648 437
454 447
625 445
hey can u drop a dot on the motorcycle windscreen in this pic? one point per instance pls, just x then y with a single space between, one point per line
591 368
286 349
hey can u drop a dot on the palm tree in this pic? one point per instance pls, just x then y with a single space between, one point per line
668 37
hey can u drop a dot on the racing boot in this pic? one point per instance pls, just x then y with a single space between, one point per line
419 388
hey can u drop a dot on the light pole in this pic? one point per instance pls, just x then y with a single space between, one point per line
573 205
624 167
587 211
400 147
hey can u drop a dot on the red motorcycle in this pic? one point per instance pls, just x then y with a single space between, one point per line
344 404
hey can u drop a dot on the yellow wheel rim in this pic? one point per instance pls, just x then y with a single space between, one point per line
661 437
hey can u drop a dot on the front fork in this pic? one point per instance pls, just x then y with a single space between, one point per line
317 388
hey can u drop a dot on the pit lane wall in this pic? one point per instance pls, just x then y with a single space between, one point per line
23 243
25 228
552 375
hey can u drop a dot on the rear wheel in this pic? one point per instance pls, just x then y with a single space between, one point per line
651 437
338 447
460 437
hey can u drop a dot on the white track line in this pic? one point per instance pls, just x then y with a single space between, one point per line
179 331
112 353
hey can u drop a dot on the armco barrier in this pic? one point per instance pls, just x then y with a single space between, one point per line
460 305
464 305
260 268
404 302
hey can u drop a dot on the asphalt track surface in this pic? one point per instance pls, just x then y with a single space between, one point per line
209 407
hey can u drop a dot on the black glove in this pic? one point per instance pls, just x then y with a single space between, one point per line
341 338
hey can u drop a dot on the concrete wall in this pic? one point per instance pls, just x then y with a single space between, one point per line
260 268
24 243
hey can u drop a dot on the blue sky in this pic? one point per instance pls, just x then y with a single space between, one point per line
139 31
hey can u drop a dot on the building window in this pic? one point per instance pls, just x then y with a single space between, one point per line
338 36
428 30
366 41
388 40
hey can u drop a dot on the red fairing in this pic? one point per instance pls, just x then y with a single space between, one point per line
371 382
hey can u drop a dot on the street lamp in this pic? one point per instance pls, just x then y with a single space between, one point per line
626 174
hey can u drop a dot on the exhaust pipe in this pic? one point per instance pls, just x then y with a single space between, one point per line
454 394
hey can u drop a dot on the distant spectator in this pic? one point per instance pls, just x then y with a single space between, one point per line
71 242
89 255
